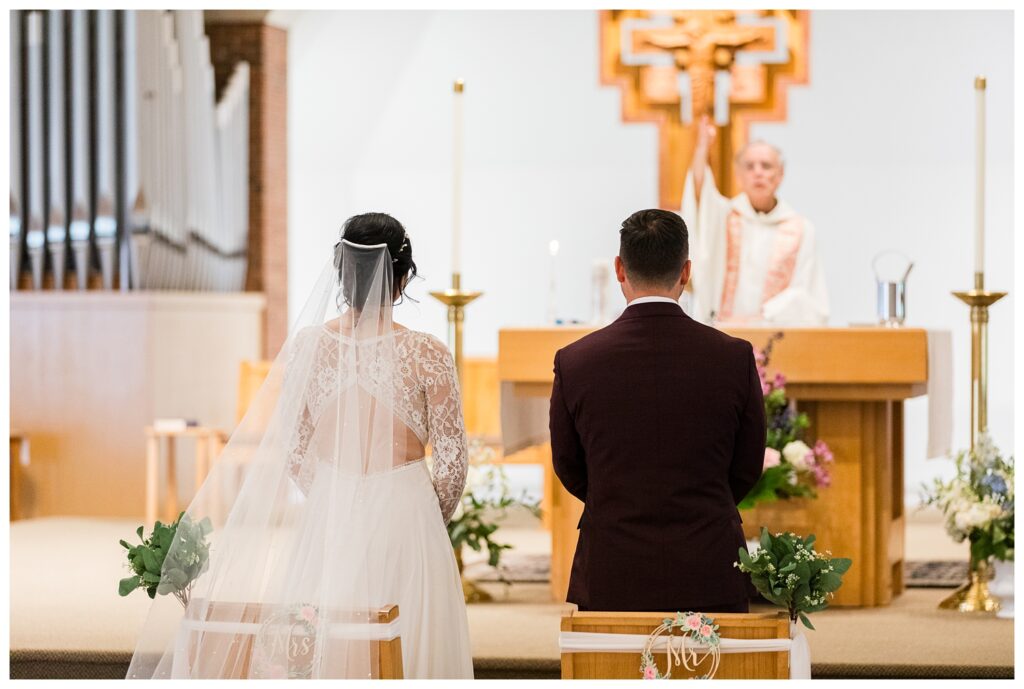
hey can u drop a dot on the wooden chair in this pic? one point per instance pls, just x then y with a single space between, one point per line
19 459
635 627
251 375
229 633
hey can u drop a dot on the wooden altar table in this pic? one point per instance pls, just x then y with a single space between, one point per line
851 382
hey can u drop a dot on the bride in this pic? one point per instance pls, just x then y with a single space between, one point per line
338 518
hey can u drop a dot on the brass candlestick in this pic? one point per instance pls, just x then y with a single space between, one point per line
979 299
974 596
456 300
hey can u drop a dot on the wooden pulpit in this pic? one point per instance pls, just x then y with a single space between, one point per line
851 382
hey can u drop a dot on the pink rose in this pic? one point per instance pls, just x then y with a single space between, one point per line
308 613
821 477
780 380
705 631
766 388
823 452
772 458
693 622
650 672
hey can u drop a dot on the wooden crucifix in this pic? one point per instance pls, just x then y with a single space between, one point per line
675 66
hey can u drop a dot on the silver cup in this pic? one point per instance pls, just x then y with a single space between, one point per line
892 294
892 303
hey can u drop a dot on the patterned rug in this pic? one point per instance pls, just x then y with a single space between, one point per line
518 568
938 574
534 568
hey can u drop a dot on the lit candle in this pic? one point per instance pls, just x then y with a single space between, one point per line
457 176
979 177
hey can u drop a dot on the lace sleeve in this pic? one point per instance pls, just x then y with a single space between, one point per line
301 472
445 426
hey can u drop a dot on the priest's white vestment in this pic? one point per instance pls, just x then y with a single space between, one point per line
751 266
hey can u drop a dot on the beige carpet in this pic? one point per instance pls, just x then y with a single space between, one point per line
911 631
65 607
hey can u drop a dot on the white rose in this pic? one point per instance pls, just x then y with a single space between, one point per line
796 454
962 520
975 515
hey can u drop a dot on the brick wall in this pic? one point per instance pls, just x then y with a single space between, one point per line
265 48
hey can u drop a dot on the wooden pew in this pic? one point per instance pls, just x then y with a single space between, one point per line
229 629
636 626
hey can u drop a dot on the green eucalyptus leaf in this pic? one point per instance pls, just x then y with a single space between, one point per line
176 577
149 559
830 581
127 585
841 564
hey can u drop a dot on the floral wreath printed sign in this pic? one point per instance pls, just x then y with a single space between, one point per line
286 644
700 629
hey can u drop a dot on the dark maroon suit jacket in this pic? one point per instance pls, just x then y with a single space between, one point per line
657 425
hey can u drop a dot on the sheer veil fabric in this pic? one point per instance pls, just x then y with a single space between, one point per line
337 515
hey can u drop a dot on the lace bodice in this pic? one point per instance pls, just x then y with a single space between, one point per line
424 395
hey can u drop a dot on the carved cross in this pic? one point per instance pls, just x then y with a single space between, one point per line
702 43
673 67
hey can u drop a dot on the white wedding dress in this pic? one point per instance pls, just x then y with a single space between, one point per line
338 516
409 503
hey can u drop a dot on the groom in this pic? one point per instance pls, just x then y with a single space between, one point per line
657 425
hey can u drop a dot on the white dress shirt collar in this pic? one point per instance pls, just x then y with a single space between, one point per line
649 300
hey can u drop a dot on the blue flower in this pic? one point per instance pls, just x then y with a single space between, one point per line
995 483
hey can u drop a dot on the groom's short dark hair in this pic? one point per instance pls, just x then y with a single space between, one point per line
653 246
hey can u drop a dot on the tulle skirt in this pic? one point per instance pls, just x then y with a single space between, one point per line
410 563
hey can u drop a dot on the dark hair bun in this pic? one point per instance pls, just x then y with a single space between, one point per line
381 228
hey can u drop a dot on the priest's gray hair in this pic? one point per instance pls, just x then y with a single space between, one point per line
755 142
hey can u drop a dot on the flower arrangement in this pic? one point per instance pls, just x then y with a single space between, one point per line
485 502
791 467
791 574
158 567
978 502
694 626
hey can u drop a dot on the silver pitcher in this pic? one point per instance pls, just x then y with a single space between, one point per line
891 288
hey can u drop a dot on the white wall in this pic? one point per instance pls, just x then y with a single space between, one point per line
879 151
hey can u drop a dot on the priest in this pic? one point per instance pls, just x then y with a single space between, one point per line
755 259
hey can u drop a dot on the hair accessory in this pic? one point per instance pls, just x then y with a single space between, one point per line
405 245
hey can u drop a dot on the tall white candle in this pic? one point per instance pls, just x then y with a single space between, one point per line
457 177
979 177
